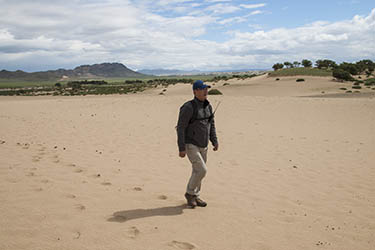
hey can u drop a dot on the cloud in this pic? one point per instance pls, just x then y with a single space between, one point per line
46 35
222 8
256 12
252 6
345 40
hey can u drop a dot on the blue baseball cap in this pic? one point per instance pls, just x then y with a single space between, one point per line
198 84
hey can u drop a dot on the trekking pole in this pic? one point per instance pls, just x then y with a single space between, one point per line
216 107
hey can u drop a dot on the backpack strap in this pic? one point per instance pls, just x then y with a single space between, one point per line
195 111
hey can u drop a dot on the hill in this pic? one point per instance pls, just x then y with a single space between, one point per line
301 71
103 70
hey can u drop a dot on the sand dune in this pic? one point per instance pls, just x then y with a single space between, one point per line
103 172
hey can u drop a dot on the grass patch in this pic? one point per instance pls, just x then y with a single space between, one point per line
101 86
370 82
301 71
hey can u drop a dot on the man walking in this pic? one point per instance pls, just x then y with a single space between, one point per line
195 127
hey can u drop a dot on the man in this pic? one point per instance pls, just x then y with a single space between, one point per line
195 127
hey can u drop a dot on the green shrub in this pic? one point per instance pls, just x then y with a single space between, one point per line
277 79
300 80
214 92
349 91
342 75
356 87
369 82
343 88
225 84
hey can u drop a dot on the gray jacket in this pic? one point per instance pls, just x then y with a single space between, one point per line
199 131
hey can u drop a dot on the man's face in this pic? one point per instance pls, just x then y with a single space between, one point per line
201 94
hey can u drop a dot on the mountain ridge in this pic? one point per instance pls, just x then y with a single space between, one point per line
83 71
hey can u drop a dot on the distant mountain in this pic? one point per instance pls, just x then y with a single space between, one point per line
103 70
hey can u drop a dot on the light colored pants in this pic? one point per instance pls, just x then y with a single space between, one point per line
198 159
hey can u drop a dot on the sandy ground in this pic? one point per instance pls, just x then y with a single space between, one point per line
103 172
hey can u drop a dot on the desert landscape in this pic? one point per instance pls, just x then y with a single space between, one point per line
295 170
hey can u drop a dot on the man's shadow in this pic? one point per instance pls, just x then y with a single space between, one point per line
127 215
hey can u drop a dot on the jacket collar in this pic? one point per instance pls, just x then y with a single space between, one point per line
204 103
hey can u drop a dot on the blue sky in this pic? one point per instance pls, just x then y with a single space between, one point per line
182 34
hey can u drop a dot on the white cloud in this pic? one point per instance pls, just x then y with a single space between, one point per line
222 8
67 34
216 1
237 19
253 6
256 12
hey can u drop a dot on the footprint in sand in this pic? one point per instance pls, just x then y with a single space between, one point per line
36 158
106 184
78 235
133 232
78 170
44 181
181 245
55 159
71 196
137 189
80 207
162 197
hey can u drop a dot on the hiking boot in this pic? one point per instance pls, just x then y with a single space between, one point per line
190 200
200 202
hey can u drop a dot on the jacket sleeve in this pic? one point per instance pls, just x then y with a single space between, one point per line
213 137
186 113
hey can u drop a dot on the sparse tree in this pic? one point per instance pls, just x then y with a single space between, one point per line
277 66
288 65
306 63
320 64
350 67
366 66
296 64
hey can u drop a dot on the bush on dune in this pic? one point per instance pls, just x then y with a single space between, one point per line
214 92
342 75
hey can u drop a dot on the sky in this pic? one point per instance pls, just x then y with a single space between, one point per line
204 35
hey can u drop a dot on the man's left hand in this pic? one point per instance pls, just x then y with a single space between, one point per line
216 147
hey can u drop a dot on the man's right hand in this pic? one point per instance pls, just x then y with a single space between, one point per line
182 154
